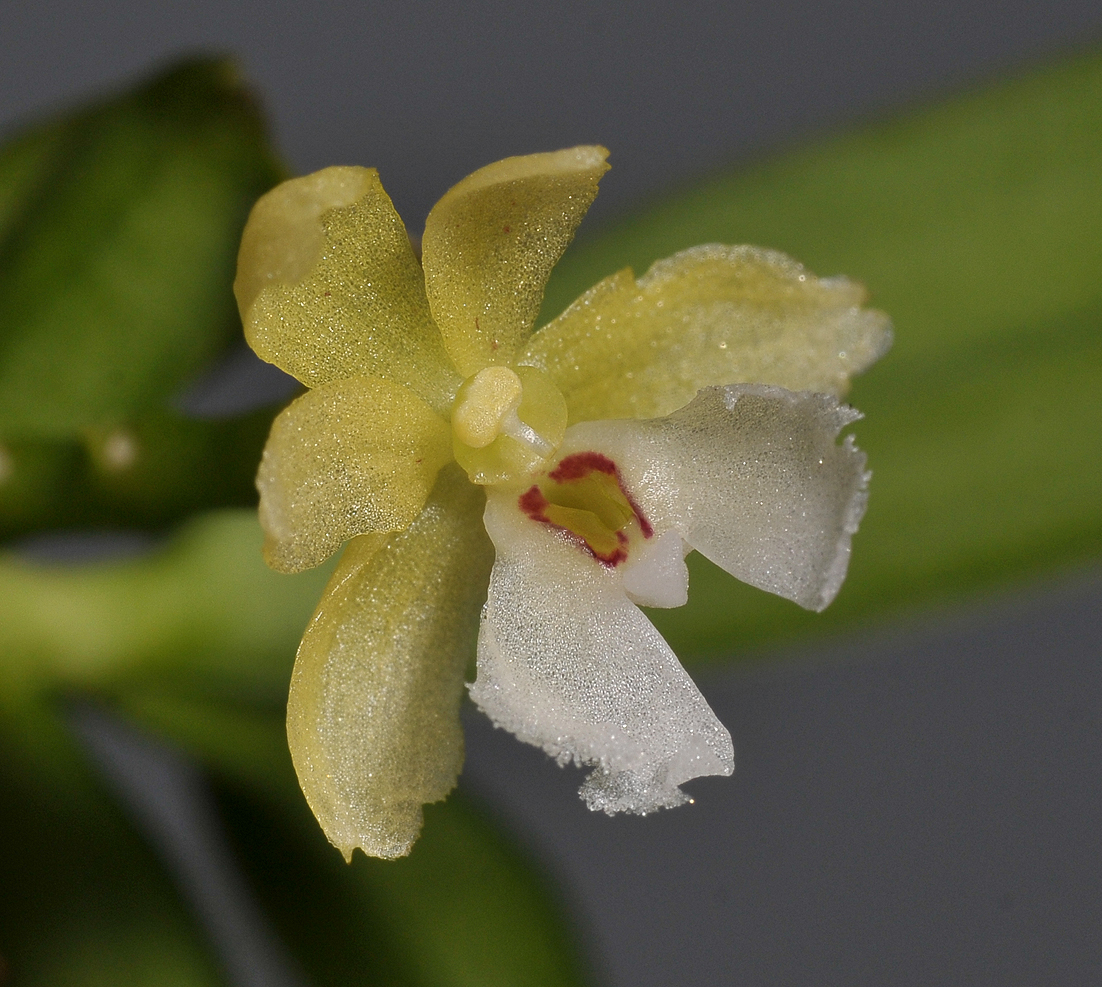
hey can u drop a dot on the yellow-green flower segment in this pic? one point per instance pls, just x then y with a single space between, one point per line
530 489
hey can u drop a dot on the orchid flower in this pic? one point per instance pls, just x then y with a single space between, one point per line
533 489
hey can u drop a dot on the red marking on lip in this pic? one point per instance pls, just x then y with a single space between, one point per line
535 504
505 229
613 560
579 465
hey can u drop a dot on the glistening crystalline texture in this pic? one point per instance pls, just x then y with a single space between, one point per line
329 287
603 448
568 663
751 477
706 316
349 457
490 244
373 714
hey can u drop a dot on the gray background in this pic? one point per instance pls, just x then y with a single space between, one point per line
917 805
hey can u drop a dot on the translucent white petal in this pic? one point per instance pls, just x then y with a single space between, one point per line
569 664
751 476
655 574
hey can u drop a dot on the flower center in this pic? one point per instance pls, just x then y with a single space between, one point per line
506 423
584 496
489 409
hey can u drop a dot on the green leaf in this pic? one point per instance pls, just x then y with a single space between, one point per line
201 609
196 641
142 474
23 161
465 909
977 225
85 903
119 228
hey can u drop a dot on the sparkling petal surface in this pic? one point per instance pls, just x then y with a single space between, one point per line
490 244
567 663
373 714
329 287
350 457
750 476
655 574
706 316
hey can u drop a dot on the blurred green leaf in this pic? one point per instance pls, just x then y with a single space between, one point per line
23 161
977 225
203 609
85 903
118 232
465 909
119 228
144 474
196 641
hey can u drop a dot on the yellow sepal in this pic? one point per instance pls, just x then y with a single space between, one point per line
373 714
329 287
707 316
350 457
490 244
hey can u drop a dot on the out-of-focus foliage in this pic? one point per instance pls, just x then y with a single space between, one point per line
202 610
974 223
118 225
153 470
977 225
465 909
88 904
118 235
85 902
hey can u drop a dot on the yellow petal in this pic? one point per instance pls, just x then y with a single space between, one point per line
373 715
347 458
491 242
706 316
329 287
